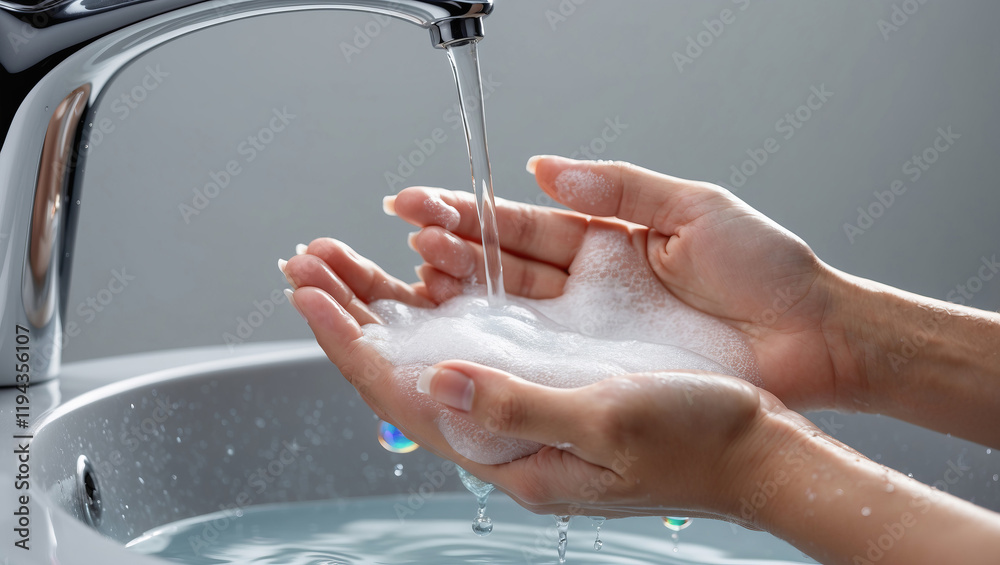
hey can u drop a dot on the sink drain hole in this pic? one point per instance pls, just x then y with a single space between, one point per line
88 491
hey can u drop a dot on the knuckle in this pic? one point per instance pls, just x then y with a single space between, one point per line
524 224
506 413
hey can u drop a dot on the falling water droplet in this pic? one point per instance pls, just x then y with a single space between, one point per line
676 539
562 526
482 525
393 440
598 521
398 471
676 524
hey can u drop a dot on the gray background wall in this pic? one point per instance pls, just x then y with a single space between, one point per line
556 83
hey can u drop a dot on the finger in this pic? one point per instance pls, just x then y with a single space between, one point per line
631 193
311 271
462 259
534 232
506 405
439 286
366 279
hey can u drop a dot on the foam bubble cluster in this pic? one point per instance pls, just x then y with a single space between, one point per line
614 318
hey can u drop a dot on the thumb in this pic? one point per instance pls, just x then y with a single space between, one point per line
632 193
503 404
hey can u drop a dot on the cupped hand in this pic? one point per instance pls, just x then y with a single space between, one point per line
708 248
652 444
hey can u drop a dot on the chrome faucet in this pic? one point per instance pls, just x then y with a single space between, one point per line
56 58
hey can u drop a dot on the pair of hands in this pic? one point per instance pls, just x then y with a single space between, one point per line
654 444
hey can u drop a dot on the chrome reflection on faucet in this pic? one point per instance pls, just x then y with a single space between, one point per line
56 59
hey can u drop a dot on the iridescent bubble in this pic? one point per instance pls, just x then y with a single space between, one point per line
393 440
676 524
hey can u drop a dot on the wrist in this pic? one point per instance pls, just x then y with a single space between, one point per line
899 354
761 463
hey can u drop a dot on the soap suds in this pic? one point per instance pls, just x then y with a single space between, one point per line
582 186
442 213
614 318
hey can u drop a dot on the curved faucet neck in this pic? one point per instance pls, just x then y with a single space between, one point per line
58 58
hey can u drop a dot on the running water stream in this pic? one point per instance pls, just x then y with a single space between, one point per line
464 59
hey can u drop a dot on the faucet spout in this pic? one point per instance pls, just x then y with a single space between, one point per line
57 58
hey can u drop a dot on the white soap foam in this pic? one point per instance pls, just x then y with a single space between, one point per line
578 185
614 318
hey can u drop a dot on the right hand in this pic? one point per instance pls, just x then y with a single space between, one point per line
707 247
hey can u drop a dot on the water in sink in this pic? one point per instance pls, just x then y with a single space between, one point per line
388 530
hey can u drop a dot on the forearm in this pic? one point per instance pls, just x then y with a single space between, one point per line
926 361
839 507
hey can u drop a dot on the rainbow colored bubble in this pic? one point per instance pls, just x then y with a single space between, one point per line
393 440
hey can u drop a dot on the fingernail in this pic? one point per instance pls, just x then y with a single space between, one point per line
291 300
411 239
301 248
281 267
533 163
389 205
447 386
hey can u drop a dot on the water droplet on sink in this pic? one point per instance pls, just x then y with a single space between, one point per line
866 511
230 450
260 422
